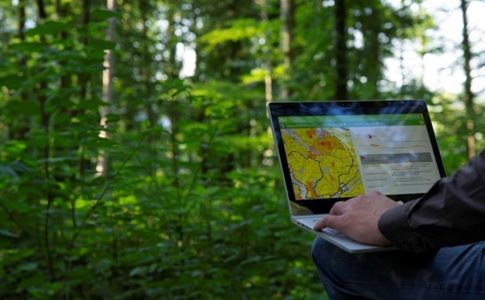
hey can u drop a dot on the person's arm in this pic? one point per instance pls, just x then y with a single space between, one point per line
451 213
358 218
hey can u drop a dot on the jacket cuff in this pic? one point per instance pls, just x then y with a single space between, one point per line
394 225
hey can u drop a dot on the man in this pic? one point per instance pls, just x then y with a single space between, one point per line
442 235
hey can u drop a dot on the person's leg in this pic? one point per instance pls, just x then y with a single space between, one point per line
449 273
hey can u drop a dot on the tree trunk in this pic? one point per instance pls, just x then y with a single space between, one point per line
83 77
108 64
41 10
173 108
268 81
372 49
19 129
147 66
172 68
402 69
41 91
150 102
287 16
468 94
21 20
423 41
61 11
341 90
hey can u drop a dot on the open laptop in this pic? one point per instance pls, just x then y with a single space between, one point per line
335 150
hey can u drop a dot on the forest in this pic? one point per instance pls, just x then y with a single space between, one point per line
136 160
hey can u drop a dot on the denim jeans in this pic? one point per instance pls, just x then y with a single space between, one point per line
448 273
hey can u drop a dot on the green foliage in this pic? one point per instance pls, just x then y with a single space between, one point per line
238 30
450 119
192 205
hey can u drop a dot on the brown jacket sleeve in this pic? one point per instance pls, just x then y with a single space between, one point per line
451 213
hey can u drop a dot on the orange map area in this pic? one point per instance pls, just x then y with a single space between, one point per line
322 163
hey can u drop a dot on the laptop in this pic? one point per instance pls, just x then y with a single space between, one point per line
335 150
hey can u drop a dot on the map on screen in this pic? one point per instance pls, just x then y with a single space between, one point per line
346 156
323 163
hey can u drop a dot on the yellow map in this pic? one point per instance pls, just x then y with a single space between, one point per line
322 163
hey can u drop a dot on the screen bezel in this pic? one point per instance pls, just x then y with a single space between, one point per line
325 108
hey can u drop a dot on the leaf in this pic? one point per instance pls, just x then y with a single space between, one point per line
242 29
28 47
103 14
100 44
113 118
256 75
90 104
11 81
196 273
8 171
80 274
27 108
49 27
29 267
8 233
138 271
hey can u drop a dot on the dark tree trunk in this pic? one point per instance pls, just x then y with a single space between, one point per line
468 94
41 91
341 90
173 67
18 129
147 66
41 10
21 20
268 80
373 49
61 11
287 15
84 78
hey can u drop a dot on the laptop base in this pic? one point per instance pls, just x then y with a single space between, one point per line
337 239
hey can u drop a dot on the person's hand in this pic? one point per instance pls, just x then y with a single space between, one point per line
358 218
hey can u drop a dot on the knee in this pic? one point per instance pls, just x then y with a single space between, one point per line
321 251
323 254
318 243
331 261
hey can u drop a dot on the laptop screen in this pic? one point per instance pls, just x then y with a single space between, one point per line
332 151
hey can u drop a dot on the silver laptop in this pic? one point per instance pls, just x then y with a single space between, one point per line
335 150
